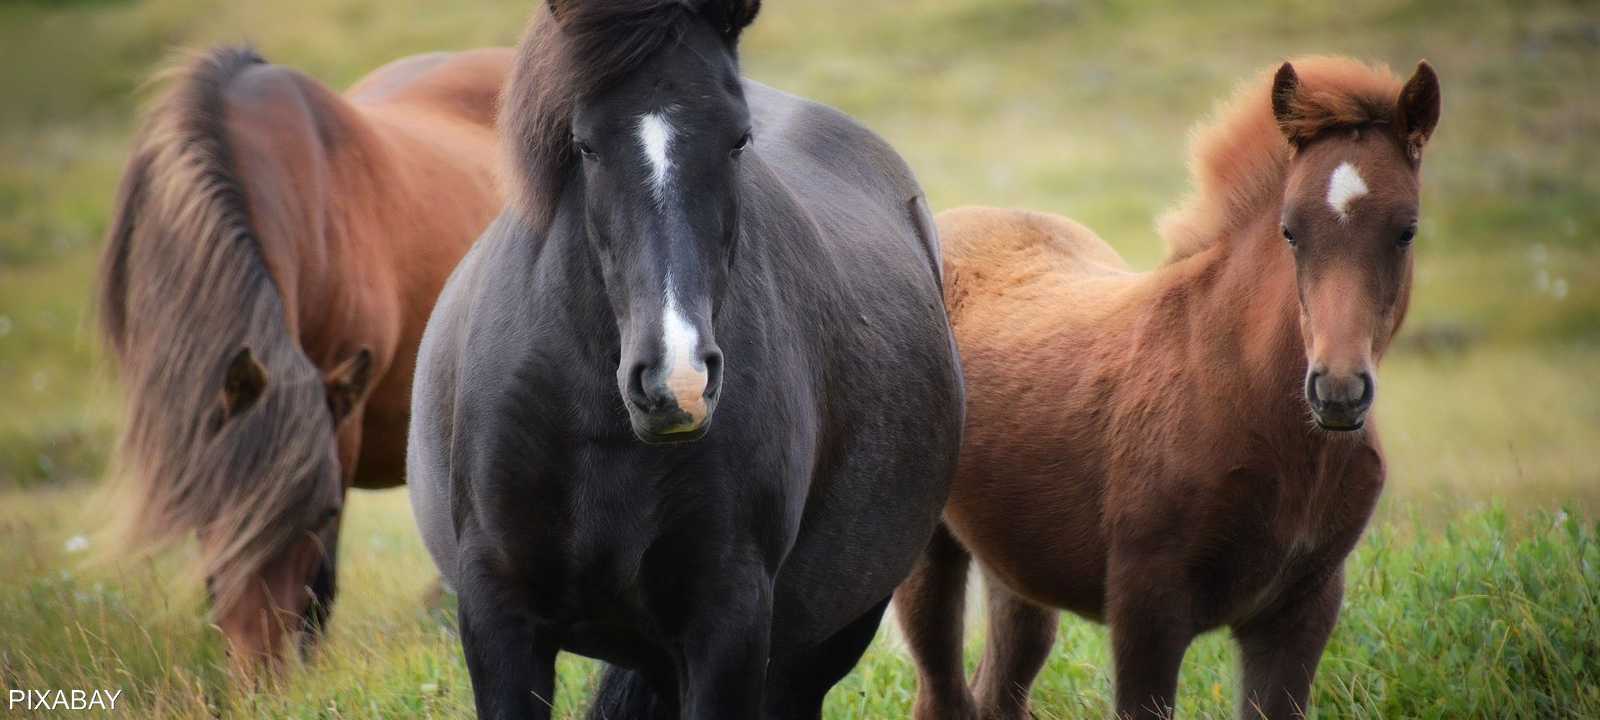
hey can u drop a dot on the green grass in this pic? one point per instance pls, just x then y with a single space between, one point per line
1491 615
1468 598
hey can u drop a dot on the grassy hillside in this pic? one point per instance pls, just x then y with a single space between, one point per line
1490 400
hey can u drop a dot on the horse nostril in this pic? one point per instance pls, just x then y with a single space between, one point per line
1339 393
637 396
713 362
1312 379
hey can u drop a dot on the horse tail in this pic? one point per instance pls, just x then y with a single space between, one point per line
625 695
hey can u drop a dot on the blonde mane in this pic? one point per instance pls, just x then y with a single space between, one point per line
1238 160
183 286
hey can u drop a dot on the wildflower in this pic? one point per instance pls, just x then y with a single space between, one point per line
76 544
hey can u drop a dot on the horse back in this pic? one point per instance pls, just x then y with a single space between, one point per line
991 250
461 85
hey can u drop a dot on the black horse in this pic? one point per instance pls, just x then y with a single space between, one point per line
683 245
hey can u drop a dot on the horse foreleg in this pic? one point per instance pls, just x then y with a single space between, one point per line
1150 632
930 607
797 688
725 648
1020 637
512 670
1280 650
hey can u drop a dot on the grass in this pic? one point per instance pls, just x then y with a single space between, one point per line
1472 596
1492 615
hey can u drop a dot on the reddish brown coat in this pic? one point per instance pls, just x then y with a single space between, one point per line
275 255
1139 448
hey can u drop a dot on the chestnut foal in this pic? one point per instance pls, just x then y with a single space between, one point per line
1138 447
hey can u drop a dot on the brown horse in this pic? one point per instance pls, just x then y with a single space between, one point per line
1138 446
276 251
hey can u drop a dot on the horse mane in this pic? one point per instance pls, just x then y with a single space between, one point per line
183 285
562 60
1239 160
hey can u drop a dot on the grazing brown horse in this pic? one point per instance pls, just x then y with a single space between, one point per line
276 251
1189 448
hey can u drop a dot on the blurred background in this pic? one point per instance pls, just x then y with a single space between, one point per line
1491 401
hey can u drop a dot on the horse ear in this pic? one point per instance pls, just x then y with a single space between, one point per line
558 9
1418 111
243 384
740 14
1284 86
347 383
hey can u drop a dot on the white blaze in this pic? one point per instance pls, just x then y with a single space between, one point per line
679 339
1344 186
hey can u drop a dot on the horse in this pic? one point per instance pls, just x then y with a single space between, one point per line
274 253
1190 448
692 404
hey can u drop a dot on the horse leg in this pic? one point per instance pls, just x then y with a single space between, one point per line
512 671
1279 651
1150 632
796 690
634 695
931 606
1020 637
726 647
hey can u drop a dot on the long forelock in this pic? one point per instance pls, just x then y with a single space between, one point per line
591 46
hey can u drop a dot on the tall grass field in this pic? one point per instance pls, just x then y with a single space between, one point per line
1475 593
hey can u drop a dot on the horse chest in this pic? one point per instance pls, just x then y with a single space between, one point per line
1288 530
609 532
1267 568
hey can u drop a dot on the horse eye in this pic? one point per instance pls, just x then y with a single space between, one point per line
1288 235
744 142
1406 236
584 149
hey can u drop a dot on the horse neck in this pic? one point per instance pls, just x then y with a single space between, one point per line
318 233
566 258
1244 289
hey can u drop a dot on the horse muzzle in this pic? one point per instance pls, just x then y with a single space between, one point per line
1340 402
670 404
